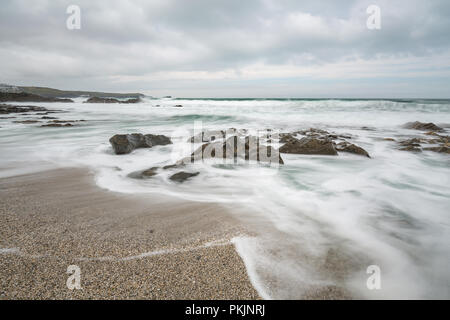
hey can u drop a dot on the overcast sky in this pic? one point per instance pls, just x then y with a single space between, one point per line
244 48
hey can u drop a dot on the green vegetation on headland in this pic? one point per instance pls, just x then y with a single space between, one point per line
56 93
28 97
42 94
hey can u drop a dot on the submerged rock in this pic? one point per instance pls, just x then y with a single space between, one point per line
183 176
351 148
126 143
27 121
442 149
422 126
235 147
111 100
56 125
6 109
173 166
145 174
309 145
411 148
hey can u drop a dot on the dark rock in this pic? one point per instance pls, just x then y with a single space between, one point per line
111 100
287 138
126 143
6 109
158 140
442 149
352 148
173 166
422 126
235 147
57 125
27 121
101 100
309 145
133 100
411 148
145 174
183 176
415 142
48 118
389 139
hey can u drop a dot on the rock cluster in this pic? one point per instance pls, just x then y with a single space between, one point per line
440 144
422 126
248 148
318 142
111 100
309 145
7 109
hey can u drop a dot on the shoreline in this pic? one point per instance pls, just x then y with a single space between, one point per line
127 247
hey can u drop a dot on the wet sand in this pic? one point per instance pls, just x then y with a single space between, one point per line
127 247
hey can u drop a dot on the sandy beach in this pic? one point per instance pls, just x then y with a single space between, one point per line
127 247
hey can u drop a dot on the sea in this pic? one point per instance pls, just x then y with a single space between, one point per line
371 228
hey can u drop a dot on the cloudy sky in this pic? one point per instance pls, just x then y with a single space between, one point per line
243 48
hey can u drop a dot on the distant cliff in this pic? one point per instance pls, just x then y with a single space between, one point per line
28 97
55 93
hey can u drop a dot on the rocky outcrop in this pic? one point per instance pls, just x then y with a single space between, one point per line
351 148
309 145
442 149
422 126
158 140
28 97
101 100
57 125
235 147
27 121
287 137
111 100
214 135
442 144
132 100
7 109
126 143
144 174
183 176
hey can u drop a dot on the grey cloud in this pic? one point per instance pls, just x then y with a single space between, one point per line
139 38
